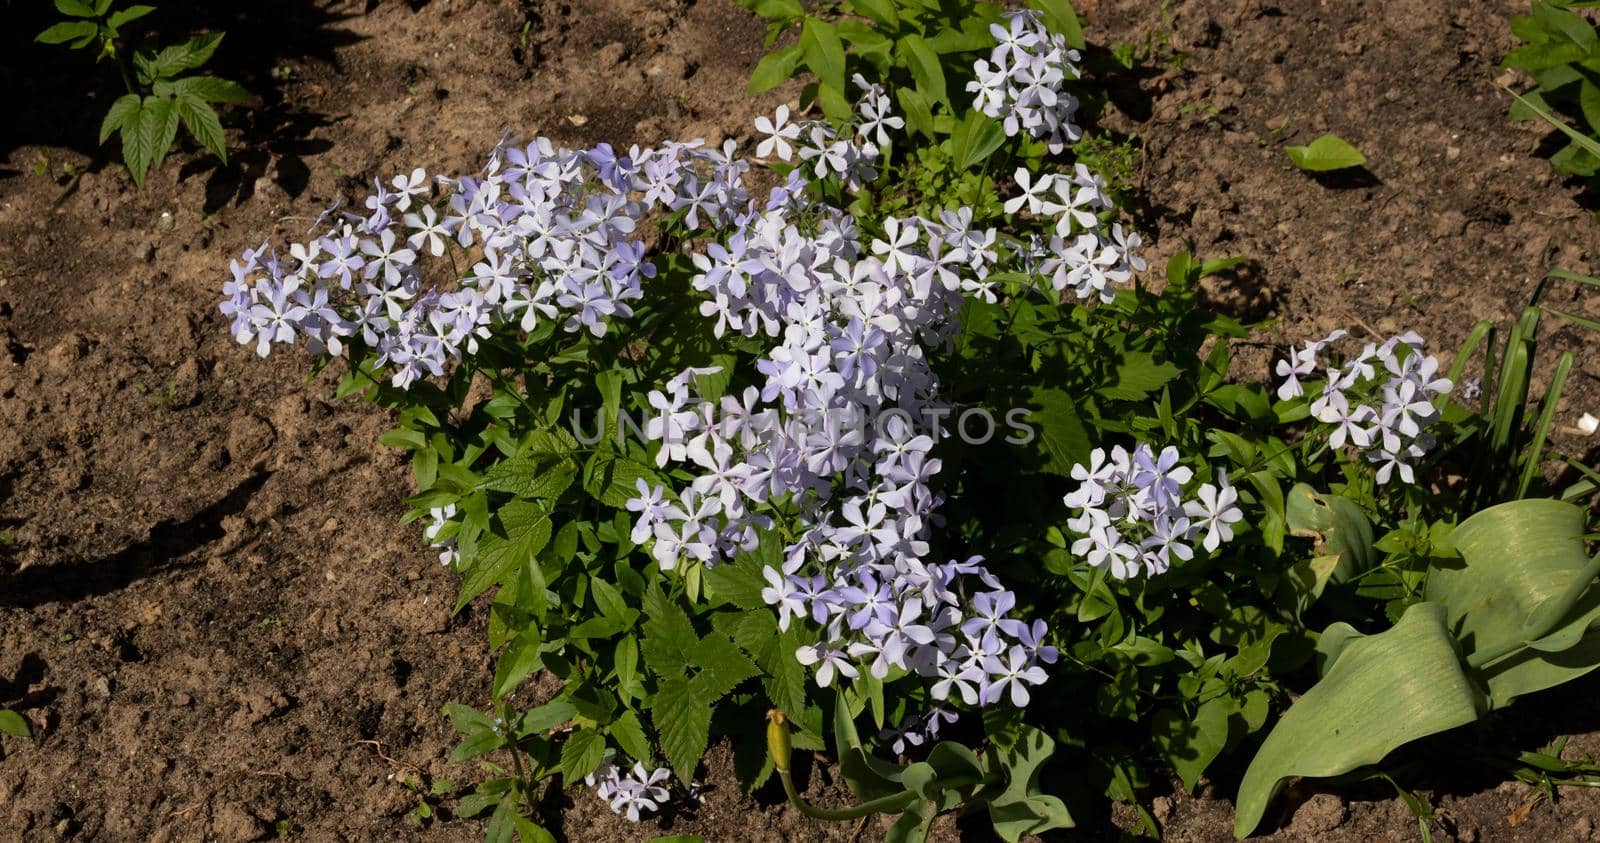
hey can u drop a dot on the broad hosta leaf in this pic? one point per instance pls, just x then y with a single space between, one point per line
1329 152
684 724
1522 577
1383 691
1337 524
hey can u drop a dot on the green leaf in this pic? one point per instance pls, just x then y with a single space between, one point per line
529 831
128 15
66 31
669 636
918 114
546 717
524 529
12 724
581 754
1384 690
521 658
925 68
186 56
532 475
1338 526
1191 746
1524 577
975 140
210 89
774 69
722 667
1138 376
1020 808
610 479
1329 152
629 734
124 108
75 8
1062 436
203 125
147 135
824 54
1059 17
684 725
878 11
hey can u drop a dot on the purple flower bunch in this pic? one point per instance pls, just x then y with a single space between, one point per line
547 232
1021 84
629 792
1380 401
1079 255
821 150
1133 515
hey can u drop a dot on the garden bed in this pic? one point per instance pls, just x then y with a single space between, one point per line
212 621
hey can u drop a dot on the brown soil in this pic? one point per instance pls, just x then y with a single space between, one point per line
210 618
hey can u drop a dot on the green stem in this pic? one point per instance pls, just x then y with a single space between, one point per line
892 804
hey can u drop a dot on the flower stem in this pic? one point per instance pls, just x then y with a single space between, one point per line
892 804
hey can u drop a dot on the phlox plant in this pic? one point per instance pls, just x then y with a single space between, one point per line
773 464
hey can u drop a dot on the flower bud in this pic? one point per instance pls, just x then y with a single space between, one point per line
778 740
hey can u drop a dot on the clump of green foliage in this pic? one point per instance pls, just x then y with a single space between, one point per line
162 93
1561 51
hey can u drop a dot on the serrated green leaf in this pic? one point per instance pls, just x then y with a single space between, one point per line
532 476
722 667
523 530
1329 152
669 636
611 479
1138 376
683 723
581 754
210 89
1383 691
203 125
125 107
1063 440
629 735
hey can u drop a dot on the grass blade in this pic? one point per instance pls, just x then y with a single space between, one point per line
1547 417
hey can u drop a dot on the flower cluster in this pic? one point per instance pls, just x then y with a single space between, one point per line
1021 83
629 792
1079 254
821 151
1132 514
547 232
1381 401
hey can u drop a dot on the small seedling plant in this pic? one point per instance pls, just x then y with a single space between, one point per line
162 92
908 440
